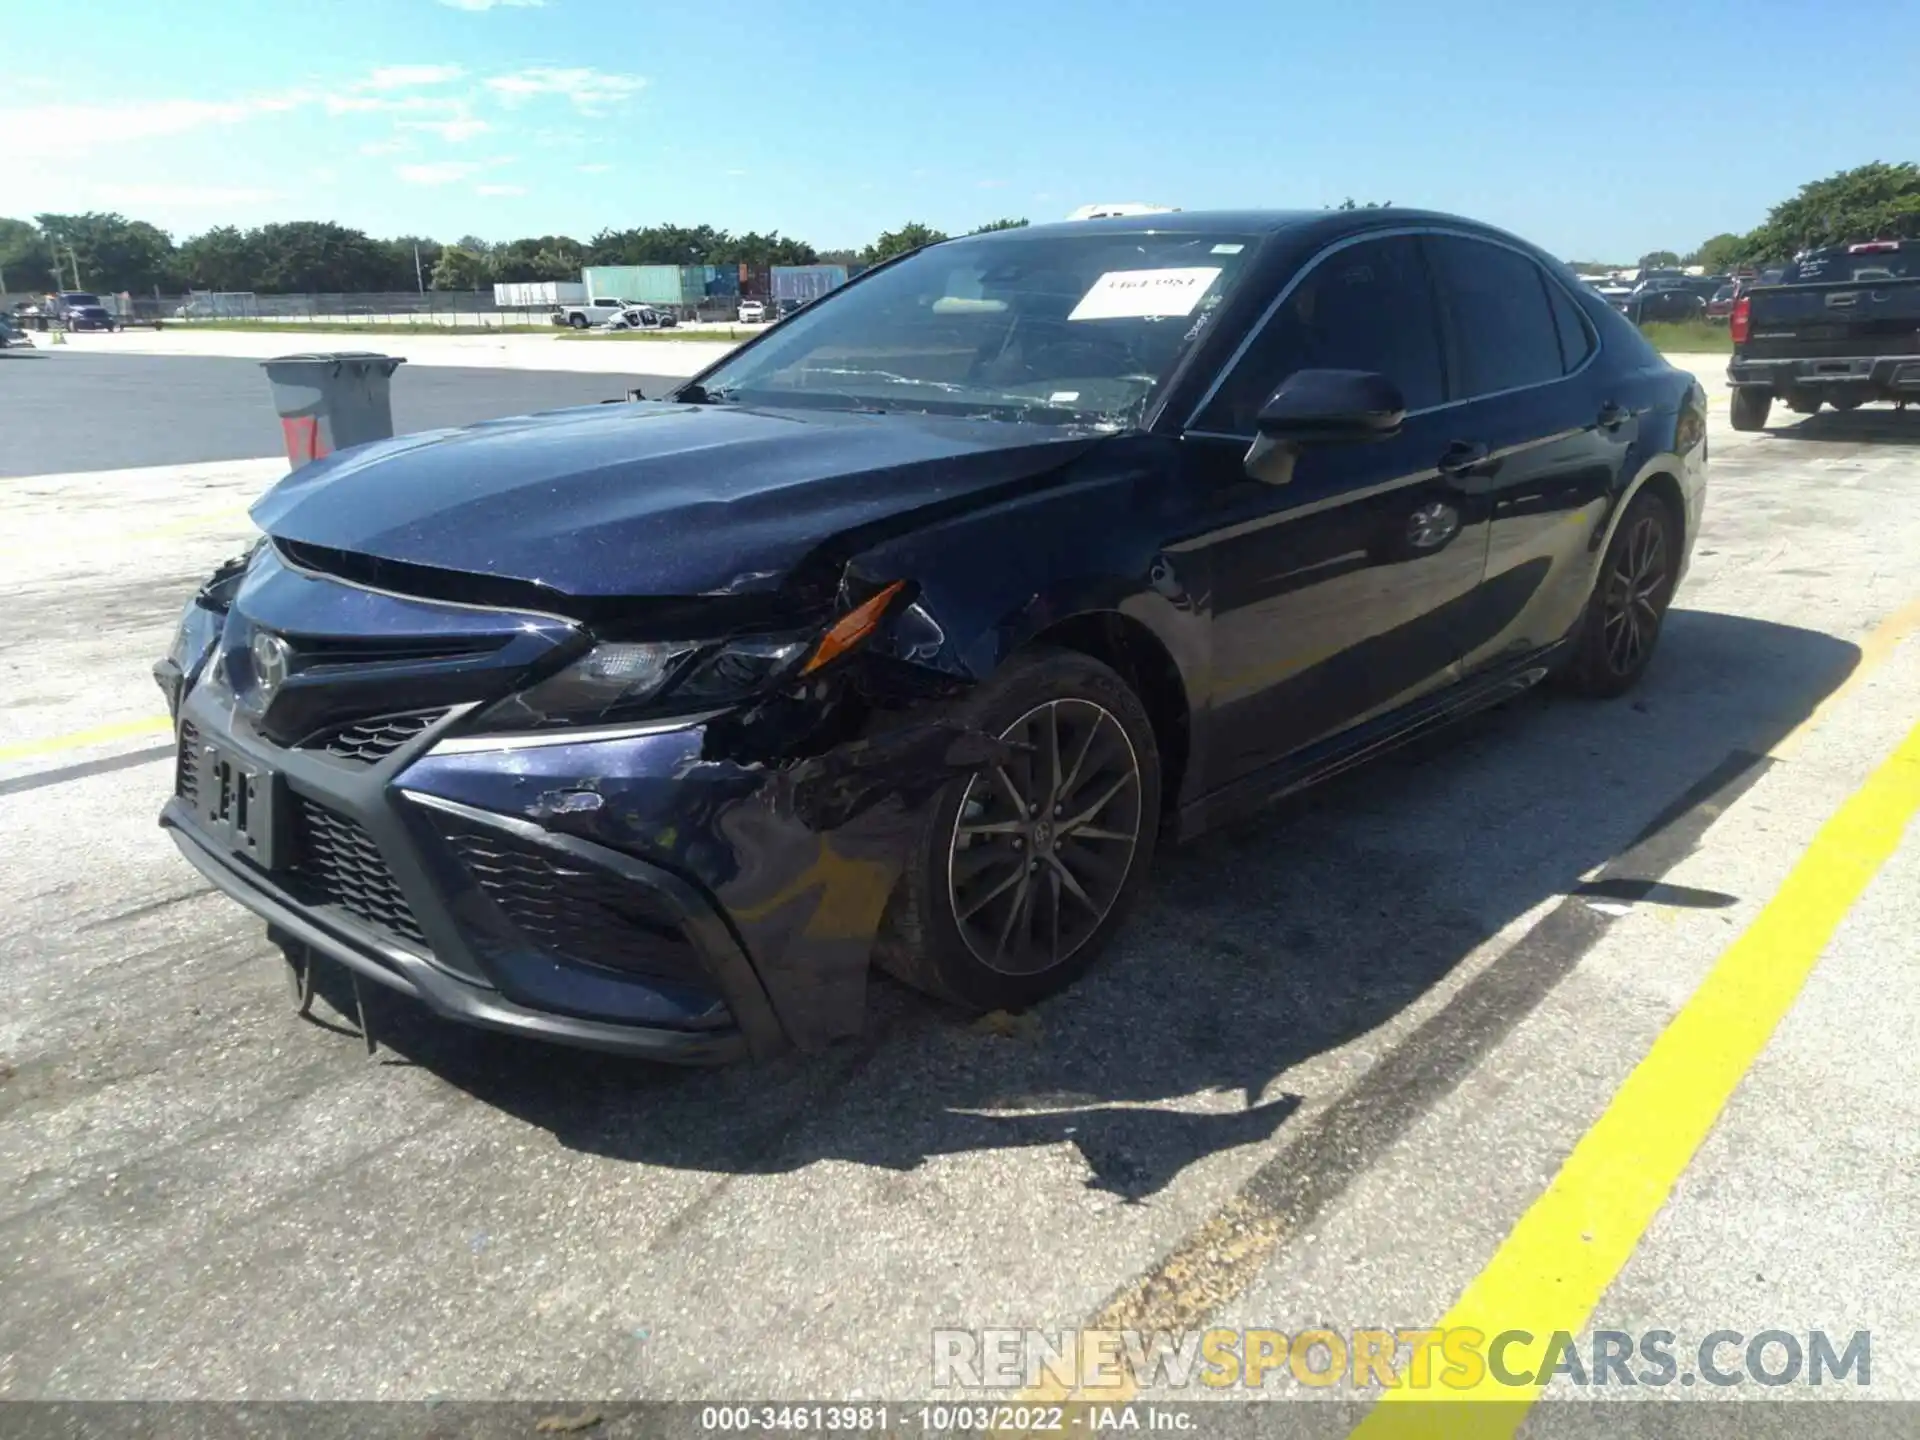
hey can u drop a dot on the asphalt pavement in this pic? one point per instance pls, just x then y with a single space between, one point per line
1351 1064
70 409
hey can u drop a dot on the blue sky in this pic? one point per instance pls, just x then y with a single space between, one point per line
1599 131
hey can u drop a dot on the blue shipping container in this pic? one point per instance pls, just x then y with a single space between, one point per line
806 282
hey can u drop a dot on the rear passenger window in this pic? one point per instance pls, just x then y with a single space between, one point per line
1367 307
1576 340
1504 335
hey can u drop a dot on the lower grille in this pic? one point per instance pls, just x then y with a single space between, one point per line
340 865
371 741
186 772
575 910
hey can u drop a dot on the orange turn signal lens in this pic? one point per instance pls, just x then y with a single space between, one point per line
852 628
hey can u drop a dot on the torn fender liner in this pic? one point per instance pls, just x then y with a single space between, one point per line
821 848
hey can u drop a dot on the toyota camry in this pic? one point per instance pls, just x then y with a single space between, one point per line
904 634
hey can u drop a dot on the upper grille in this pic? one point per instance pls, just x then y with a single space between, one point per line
575 910
338 864
186 774
370 741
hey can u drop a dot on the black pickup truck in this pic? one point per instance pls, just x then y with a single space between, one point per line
1841 327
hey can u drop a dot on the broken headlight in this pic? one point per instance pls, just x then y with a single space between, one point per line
622 680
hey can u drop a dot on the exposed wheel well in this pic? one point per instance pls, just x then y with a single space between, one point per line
1666 489
1143 662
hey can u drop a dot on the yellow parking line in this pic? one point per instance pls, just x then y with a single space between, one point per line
1553 1268
80 740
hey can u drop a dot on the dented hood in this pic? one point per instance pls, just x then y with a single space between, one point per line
638 499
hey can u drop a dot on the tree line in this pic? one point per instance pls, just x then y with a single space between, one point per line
112 253
1877 201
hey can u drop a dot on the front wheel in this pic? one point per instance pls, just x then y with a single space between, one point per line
1024 870
1750 407
1629 603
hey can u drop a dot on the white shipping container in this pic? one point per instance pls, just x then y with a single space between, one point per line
528 294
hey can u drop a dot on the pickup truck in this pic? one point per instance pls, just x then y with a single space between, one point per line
1841 327
590 313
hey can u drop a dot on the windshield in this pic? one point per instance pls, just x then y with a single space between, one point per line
1058 328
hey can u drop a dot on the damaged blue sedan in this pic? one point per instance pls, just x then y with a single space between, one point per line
903 635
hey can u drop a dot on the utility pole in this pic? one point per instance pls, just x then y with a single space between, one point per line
418 278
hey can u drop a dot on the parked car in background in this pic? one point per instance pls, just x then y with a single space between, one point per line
786 306
1664 298
12 334
641 317
905 633
1841 328
753 312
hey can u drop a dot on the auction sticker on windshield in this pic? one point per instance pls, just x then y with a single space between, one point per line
1145 294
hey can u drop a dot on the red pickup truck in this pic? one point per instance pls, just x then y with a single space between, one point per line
1841 327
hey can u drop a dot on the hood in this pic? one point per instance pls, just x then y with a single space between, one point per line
649 498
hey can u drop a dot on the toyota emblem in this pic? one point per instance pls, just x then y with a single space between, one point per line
270 660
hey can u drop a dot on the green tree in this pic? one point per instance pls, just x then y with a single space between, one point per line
539 257
25 260
1348 204
462 269
910 236
319 257
1869 202
993 225
223 258
1718 254
114 253
1659 260
401 271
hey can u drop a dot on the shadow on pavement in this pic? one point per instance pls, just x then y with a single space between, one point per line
1255 949
1869 425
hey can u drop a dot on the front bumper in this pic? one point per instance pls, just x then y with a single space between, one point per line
1894 376
485 917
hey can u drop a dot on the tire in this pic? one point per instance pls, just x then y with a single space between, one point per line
1846 403
577 320
1750 408
954 926
1803 404
1626 612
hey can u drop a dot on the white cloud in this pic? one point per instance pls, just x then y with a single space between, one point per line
595 169
588 89
394 105
383 147
990 185
185 197
42 131
406 77
477 5
499 189
454 131
443 172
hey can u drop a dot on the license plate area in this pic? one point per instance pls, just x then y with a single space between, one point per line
244 806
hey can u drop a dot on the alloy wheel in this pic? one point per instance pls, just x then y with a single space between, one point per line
1636 587
1042 845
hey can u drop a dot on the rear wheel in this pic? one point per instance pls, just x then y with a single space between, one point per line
1847 402
1025 870
1750 408
1803 404
577 320
1629 604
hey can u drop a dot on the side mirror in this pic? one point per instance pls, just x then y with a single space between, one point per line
1322 407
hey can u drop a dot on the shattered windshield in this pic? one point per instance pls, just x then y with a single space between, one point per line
1074 328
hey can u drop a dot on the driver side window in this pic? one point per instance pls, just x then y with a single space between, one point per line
1369 306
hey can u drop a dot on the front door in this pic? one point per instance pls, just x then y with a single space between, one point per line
1339 595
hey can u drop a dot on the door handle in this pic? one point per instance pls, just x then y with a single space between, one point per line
1613 416
1461 458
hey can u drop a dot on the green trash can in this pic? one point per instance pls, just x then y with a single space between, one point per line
330 401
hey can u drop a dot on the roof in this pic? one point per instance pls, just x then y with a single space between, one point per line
1241 222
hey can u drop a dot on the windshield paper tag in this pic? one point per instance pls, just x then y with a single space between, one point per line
1144 294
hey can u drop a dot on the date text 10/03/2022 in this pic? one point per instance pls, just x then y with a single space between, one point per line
965 1418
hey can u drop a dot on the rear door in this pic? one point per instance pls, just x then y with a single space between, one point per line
1335 596
1525 382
